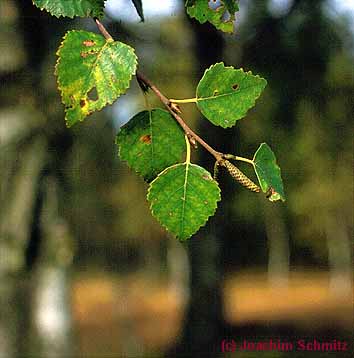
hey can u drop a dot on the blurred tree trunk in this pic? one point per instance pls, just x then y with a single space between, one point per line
339 255
204 325
33 237
50 311
278 245
18 205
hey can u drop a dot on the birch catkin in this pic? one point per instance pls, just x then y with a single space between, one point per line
240 177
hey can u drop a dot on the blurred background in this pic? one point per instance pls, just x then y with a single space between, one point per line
86 271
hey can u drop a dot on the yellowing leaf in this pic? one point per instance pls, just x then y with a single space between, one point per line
92 72
221 14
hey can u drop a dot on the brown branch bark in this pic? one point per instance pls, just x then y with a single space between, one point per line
166 102
190 133
145 83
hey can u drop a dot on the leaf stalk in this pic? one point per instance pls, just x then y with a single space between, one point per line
188 100
188 155
242 159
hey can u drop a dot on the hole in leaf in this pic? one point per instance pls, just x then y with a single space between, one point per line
92 94
214 4
146 139
235 86
226 17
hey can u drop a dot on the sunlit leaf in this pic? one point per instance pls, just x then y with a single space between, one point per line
71 8
268 173
182 198
150 142
219 13
224 95
92 72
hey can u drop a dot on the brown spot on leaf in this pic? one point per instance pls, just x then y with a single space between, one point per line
146 139
88 43
82 103
216 92
206 177
90 52
235 86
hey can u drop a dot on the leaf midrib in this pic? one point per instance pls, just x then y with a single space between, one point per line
184 198
200 99
152 142
94 67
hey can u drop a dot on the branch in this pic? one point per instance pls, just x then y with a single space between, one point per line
103 30
173 109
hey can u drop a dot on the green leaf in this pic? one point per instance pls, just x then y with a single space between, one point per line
231 6
182 198
92 72
71 8
221 15
150 142
139 8
224 95
268 173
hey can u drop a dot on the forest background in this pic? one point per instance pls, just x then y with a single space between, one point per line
84 268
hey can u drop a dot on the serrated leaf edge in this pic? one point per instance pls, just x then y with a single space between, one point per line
227 67
162 224
276 164
120 147
227 94
125 161
99 15
109 102
219 26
